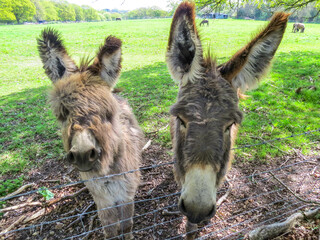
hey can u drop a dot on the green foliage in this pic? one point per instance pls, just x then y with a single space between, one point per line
46 193
106 16
40 11
90 14
151 12
114 16
51 13
65 12
6 14
24 10
262 10
9 186
79 12
30 134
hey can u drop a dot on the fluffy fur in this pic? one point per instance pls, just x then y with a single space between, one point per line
82 100
206 116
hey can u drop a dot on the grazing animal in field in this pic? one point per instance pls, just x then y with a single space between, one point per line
204 22
118 19
99 131
206 116
297 27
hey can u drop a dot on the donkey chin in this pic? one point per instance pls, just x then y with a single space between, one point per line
85 151
198 195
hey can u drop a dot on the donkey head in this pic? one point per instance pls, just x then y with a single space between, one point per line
82 101
206 116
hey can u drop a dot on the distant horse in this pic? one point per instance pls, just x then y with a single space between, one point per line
204 22
205 118
297 27
118 19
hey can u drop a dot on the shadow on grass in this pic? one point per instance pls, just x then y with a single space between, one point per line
150 90
28 130
276 109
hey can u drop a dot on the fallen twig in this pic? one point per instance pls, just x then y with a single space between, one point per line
160 129
13 225
90 227
21 189
223 198
53 201
166 212
50 180
273 230
80 215
21 206
293 193
38 214
270 144
147 145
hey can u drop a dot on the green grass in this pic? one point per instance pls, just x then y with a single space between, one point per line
29 134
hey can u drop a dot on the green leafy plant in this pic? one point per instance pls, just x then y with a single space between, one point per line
46 193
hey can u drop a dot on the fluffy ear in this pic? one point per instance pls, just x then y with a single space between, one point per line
107 64
55 59
249 64
184 52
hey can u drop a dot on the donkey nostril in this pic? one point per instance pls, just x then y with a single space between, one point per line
71 158
212 211
182 207
93 155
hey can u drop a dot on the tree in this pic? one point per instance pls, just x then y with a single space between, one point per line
90 14
106 15
51 13
172 6
40 11
65 12
114 16
6 14
23 10
79 12
284 4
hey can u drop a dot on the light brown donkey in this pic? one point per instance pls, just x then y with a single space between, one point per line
99 131
206 116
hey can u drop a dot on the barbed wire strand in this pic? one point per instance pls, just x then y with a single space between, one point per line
241 223
149 167
277 139
94 211
140 201
230 218
246 212
247 228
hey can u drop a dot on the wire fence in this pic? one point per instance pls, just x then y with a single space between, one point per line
252 200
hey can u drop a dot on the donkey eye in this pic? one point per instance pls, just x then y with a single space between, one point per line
182 122
228 128
64 112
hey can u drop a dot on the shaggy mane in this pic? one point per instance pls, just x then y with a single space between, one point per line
85 62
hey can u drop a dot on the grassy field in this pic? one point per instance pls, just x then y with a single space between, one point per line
30 135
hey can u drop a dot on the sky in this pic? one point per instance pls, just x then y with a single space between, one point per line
121 4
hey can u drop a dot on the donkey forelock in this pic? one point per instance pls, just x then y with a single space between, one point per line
100 133
206 116
82 100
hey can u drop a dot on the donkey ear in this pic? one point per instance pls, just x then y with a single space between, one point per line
107 64
55 59
184 52
249 64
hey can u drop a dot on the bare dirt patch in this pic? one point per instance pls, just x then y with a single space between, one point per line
255 197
